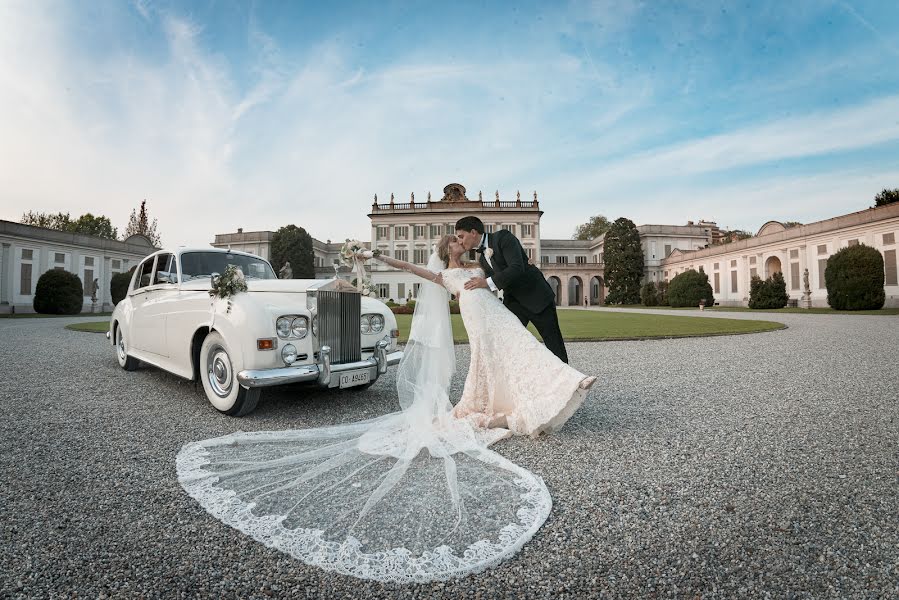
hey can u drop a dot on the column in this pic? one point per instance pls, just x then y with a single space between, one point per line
5 274
563 290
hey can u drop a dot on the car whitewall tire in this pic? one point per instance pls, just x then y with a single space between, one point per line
121 351
218 372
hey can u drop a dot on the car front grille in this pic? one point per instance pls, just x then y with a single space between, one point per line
339 314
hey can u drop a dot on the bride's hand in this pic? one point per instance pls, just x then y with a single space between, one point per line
439 279
364 254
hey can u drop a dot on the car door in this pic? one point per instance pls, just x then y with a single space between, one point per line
140 295
158 301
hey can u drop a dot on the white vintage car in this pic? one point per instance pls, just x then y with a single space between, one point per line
321 331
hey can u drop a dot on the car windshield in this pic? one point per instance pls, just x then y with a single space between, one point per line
204 264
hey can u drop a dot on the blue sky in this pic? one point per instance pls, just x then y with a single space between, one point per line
256 115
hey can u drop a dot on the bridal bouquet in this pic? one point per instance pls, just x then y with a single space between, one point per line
351 254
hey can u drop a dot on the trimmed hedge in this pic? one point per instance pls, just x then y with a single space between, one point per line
58 292
118 285
654 294
689 288
854 278
409 308
770 293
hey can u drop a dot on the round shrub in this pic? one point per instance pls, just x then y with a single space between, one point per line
118 285
58 292
770 293
662 293
649 295
689 287
854 279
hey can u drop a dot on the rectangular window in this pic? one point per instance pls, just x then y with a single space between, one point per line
527 231
450 229
733 263
382 290
889 238
753 273
435 231
794 276
653 246
852 243
544 260
400 290
402 254
717 283
489 228
88 261
421 256
87 285
733 282
415 287
889 267
383 232
822 249
794 253
116 264
530 253
751 260
822 267
420 232
581 260
27 254
715 266
667 249
59 258
562 260
602 257
25 278
402 233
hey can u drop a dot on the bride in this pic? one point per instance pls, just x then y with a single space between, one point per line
411 496
514 381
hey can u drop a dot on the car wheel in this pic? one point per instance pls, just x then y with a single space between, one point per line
218 371
121 351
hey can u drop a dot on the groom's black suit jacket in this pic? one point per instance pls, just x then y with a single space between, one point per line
519 280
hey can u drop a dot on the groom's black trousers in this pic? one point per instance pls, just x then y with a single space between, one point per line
547 324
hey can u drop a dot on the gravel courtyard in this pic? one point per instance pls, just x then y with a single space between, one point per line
725 467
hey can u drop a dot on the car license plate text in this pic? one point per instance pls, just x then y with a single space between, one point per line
353 378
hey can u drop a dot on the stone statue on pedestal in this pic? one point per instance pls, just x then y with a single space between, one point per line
94 287
807 294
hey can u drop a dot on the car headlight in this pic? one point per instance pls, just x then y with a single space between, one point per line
315 325
377 323
283 327
365 324
289 354
299 327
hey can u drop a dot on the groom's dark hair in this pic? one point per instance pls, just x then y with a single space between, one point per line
469 223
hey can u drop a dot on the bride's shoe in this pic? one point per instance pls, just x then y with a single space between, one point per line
587 382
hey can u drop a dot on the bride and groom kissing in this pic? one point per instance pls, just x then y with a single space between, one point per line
513 381
415 495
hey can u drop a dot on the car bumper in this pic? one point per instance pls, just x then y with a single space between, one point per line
324 373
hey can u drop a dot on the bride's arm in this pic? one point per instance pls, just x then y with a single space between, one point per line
414 269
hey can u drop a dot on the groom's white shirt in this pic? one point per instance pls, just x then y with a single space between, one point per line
483 242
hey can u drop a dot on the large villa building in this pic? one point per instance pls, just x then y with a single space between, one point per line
575 269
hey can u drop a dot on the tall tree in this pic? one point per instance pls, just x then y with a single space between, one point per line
791 224
87 223
294 244
886 197
91 225
60 221
623 262
139 224
592 229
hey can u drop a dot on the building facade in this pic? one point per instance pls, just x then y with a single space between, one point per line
800 253
27 252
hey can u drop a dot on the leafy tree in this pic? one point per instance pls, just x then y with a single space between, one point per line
292 243
592 229
770 293
689 288
662 293
58 292
624 262
60 221
736 235
118 285
139 224
854 278
886 197
790 224
649 294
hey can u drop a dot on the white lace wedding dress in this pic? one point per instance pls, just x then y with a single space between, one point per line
514 381
415 495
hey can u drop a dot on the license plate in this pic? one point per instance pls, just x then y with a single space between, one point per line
354 378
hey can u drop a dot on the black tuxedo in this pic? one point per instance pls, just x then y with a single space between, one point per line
525 291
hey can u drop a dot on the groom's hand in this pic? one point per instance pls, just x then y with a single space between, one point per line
475 283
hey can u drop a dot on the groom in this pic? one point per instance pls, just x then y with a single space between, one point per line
525 291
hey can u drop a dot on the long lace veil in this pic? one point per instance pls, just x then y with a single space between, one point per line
414 495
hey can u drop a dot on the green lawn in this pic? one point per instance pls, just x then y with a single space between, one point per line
814 311
600 325
588 325
92 326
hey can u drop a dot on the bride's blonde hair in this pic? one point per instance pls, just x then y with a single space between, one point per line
443 252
